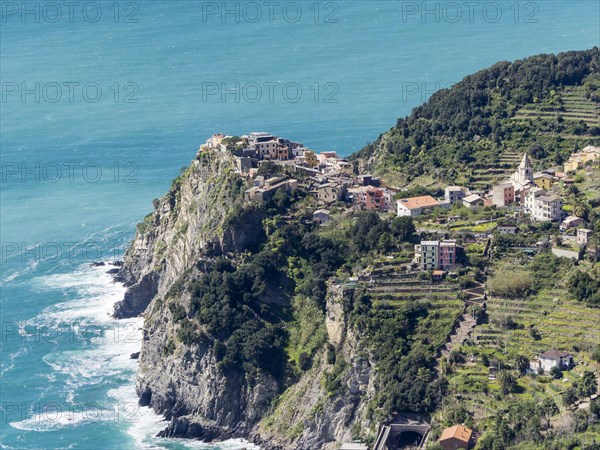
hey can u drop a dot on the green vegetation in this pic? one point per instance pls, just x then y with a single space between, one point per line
529 311
264 310
463 131
585 287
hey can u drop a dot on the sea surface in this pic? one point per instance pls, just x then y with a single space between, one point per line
103 103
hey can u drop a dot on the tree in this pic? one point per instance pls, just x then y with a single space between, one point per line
556 373
522 364
269 169
548 408
595 408
535 333
402 228
569 396
485 360
584 287
506 381
596 354
588 385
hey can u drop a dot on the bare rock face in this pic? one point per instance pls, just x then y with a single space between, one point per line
324 419
186 385
188 222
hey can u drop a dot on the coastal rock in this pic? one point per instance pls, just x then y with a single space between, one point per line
186 224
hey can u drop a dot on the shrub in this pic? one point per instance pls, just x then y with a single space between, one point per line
511 283
556 373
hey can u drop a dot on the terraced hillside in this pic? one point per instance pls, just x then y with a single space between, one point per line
391 287
518 327
569 104
561 323
547 101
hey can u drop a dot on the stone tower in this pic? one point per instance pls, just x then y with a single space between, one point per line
525 171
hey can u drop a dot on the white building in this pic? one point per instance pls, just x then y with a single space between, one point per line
552 358
570 222
321 216
298 152
415 206
472 201
523 174
583 236
507 228
543 207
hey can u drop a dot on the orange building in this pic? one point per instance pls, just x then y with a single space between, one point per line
456 437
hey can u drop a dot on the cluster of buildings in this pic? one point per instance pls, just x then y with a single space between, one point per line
327 177
250 150
330 179
524 188
264 189
580 159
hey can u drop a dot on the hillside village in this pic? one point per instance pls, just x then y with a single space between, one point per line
536 196
464 239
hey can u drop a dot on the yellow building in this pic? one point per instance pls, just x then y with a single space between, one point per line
543 180
311 158
578 160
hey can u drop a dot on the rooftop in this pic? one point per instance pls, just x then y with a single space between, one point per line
548 198
554 354
472 198
458 432
525 162
419 202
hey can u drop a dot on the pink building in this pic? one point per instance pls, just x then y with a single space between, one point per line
503 194
375 199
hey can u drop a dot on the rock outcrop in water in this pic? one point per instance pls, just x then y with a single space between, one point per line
196 222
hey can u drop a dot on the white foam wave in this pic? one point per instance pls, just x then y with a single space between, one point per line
55 420
96 294
105 355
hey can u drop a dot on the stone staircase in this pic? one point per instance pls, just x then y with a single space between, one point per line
465 325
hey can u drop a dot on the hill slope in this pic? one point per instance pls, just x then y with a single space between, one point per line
548 103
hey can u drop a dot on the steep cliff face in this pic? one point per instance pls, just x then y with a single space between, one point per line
190 221
329 403
183 381
200 224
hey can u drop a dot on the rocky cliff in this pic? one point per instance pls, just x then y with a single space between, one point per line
188 223
328 404
182 374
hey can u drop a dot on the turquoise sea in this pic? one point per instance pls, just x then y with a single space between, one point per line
103 103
